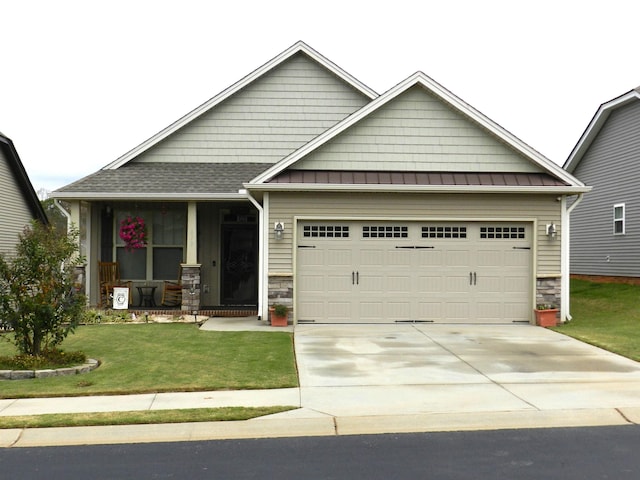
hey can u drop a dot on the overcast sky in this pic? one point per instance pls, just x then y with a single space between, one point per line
83 82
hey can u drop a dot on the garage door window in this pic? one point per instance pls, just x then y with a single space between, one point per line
444 232
325 231
502 232
385 231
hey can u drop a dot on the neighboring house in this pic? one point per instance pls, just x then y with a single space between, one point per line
605 227
20 204
300 185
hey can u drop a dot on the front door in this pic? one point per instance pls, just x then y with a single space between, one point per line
239 265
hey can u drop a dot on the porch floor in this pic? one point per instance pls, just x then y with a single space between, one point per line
207 311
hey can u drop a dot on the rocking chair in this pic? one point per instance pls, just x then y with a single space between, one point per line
109 277
172 292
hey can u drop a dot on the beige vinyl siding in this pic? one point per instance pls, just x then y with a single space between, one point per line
265 121
416 132
544 208
14 211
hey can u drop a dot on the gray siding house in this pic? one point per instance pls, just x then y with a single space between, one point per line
20 203
605 227
300 185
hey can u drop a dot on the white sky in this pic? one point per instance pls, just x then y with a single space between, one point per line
83 82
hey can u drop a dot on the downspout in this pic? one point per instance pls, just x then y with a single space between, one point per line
261 252
566 271
64 212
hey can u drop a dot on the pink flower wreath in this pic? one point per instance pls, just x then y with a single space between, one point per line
134 233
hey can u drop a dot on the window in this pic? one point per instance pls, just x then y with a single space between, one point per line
376 231
619 226
325 231
161 258
444 232
502 232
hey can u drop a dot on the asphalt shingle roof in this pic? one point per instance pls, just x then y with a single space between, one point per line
168 178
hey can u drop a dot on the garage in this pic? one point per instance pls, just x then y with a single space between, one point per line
386 272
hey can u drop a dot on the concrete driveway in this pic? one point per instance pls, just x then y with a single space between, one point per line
371 370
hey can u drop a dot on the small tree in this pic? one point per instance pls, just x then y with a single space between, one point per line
37 295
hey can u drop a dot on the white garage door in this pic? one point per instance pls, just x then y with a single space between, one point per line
371 272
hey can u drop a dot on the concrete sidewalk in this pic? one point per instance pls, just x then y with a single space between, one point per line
386 379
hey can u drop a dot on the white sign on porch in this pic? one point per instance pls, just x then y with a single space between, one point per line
120 298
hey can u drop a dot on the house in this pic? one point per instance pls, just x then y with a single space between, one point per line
20 204
605 227
300 185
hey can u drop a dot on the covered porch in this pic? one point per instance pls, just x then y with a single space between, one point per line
209 249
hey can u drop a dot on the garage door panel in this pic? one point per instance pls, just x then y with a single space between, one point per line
338 283
518 257
488 284
429 310
457 284
372 258
517 285
399 311
430 284
457 258
341 311
372 311
456 312
490 258
428 257
337 257
399 284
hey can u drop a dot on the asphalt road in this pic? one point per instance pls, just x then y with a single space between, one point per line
577 453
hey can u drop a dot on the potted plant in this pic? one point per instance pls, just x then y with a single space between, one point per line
546 315
279 315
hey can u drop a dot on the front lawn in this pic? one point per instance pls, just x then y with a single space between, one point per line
146 358
606 315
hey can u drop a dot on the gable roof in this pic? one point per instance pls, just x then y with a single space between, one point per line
22 179
262 181
596 124
298 47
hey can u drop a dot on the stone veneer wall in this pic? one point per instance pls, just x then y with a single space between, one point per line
190 287
281 290
548 291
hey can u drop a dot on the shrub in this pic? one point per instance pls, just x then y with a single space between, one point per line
38 299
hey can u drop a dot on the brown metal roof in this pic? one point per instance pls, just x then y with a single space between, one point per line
333 177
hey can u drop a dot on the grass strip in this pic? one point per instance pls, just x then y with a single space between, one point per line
223 414
605 315
146 358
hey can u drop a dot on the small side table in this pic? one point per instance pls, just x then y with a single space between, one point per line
147 294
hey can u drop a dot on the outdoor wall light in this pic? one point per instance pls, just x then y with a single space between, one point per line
278 230
551 230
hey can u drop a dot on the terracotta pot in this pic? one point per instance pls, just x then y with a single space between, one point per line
277 320
546 318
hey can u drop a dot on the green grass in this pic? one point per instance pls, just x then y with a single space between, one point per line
140 417
177 357
606 315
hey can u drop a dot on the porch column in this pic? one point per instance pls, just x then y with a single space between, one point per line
192 234
191 268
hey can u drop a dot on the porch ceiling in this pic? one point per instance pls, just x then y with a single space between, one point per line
164 178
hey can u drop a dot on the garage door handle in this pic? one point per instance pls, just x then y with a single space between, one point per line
474 278
355 278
